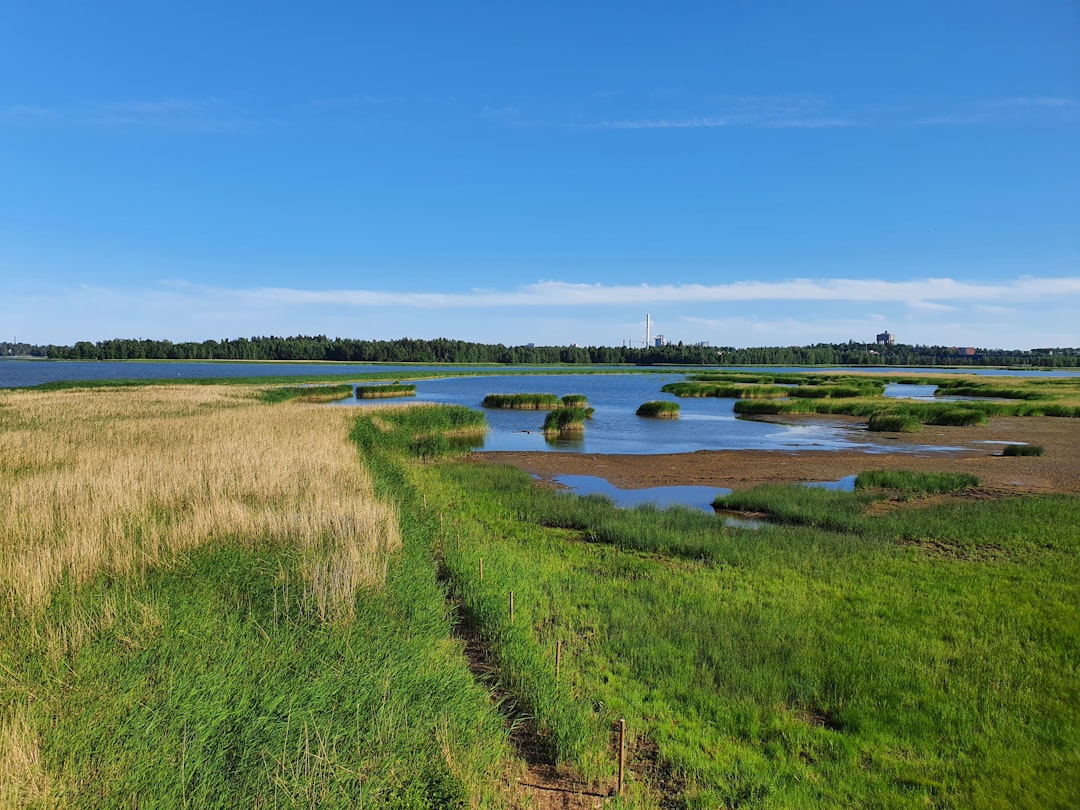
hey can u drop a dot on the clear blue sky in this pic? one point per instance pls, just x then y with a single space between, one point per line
749 173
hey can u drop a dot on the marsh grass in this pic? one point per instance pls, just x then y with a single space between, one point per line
916 482
207 602
1023 450
659 409
840 660
565 420
307 393
724 390
893 423
114 480
385 391
521 402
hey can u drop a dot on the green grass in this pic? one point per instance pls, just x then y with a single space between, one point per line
575 401
724 390
915 482
307 393
384 391
660 409
894 423
1023 450
211 680
922 658
521 402
565 420
212 684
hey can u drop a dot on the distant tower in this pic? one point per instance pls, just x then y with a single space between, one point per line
886 339
648 329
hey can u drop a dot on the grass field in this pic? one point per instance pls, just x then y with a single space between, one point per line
207 604
212 599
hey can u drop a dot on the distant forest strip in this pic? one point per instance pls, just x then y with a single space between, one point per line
443 350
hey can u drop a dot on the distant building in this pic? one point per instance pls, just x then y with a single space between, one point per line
886 339
660 342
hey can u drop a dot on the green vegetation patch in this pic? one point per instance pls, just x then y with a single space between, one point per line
894 423
724 390
385 391
308 393
522 402
659 409
915 482
423 431
565 420
1023 450
575 401
839 660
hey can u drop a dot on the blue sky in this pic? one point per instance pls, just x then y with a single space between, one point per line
775 173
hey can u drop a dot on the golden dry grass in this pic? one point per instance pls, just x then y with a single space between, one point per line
115 480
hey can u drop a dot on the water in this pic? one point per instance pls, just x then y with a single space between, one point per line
663 497
15 372
695 497
707 423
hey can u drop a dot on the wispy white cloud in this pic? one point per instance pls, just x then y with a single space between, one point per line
938 294
1015 313
773 112
348 102
189 116
1015 110
25 112
196 116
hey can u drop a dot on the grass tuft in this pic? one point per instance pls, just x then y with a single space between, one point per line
659 409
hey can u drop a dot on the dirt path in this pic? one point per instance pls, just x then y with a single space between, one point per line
980 454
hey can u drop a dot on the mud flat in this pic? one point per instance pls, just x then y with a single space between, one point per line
979 453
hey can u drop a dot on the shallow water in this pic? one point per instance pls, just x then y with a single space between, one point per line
663 497
696 497
707 423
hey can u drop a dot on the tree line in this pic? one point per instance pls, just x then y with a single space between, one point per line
443 350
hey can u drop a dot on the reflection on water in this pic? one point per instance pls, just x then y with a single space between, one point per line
692 496
663 497
845 484
708 423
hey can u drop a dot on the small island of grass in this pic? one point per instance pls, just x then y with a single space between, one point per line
565 420
522 402
659 409
385 391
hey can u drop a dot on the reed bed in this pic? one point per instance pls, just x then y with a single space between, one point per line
1023 450
208 604
659 409
522 402
308 393
385 391
115 480
565 420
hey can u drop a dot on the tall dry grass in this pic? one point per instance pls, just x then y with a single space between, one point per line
115 480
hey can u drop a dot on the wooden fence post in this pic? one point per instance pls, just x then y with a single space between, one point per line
481 569
511 607
558 659
622 753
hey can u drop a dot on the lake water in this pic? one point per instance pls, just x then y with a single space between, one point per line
696 497
707 423
19 372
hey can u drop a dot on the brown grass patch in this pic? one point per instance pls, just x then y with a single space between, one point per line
116 480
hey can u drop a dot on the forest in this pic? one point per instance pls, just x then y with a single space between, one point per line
443 350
